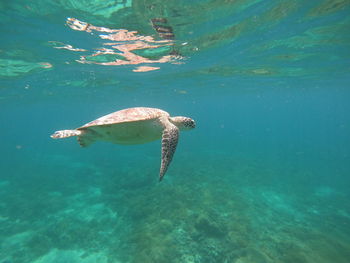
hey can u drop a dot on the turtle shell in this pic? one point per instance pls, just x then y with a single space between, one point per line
128 126
127 115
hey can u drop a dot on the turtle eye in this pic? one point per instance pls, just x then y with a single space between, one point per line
193 124
190 123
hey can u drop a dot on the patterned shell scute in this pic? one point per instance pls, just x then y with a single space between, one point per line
128 115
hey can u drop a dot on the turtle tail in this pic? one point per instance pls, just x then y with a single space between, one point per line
65 134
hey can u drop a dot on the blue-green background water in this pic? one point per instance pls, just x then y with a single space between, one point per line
264 177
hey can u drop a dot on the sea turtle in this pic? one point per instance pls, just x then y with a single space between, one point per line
134 126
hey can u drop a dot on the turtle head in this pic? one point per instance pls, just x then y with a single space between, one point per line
183 123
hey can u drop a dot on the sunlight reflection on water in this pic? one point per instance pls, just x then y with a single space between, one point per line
123 49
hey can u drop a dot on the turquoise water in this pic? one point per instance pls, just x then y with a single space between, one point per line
264 177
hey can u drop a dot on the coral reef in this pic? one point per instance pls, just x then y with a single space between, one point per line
193 217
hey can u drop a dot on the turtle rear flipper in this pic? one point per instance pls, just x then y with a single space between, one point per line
65 134
86 139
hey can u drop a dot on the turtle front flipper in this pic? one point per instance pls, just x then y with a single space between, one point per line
170 138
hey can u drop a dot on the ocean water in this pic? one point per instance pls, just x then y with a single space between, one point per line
263 178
